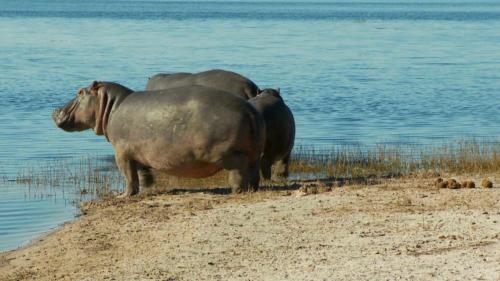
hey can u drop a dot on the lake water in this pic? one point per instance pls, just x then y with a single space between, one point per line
364 73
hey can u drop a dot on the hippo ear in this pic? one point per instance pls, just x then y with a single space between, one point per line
279 91
94 87
104 105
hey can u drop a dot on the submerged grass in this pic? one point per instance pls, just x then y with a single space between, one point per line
98 176
92 176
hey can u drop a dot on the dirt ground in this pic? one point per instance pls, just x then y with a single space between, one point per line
395 230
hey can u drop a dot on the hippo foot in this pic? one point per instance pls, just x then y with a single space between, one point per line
123 195
279 177
127 194
236 190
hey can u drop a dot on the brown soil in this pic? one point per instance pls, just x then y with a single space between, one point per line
405 229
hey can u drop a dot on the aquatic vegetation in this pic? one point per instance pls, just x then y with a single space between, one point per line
91 177
3 177
463 157
87 176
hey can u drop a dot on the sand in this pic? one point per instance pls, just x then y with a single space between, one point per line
402 229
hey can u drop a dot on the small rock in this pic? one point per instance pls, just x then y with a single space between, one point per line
443 184
453 184
469 184
323 188
486 183
302 191
437 182
312 190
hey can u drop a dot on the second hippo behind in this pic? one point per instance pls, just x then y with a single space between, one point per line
280 132
223 80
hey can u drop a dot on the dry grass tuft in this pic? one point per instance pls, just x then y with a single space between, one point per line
351 162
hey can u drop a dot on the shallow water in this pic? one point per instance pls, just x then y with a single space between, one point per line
365 73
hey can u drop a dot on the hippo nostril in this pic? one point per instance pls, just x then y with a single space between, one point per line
55 113
58 116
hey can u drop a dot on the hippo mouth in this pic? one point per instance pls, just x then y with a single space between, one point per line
65 118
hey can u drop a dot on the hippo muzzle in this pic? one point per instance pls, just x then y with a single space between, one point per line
58 117
64 117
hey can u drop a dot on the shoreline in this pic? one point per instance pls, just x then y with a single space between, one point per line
38 238
353 232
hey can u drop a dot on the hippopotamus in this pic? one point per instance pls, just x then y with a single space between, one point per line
280 132
189 131
224 80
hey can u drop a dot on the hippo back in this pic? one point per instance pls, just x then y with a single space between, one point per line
162 81
224 80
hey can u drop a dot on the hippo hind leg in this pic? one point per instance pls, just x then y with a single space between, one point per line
265 167
281 168
242 173
146 178
128 167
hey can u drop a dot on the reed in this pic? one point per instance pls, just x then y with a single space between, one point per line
3 176
90 176
463 157
99 176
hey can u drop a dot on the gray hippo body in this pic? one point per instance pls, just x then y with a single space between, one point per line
280 132
191 131
218 79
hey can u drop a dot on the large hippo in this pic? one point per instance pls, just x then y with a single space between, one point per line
219 79
190 131
280 132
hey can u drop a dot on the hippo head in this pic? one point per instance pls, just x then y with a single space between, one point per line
90 108
272 92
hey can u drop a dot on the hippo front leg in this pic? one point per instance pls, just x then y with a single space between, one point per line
128 167
265 167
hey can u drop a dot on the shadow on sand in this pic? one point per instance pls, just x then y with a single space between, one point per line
291 185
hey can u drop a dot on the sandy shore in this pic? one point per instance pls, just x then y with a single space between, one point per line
394 230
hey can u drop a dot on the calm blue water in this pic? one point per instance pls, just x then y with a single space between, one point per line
366 73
